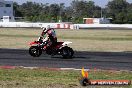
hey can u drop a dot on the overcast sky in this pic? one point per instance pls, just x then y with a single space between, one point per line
101 3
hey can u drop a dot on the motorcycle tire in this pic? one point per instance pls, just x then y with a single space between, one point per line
67 52
35 51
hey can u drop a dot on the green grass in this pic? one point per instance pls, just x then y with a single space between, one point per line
42 78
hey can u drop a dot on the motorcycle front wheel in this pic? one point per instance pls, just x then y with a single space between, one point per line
35 51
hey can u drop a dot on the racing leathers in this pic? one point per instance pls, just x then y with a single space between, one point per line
49 36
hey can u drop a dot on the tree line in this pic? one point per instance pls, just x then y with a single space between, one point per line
119 10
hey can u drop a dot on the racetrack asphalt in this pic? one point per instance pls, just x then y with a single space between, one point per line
89 60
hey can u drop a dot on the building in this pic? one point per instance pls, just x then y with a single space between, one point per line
96 20
6 11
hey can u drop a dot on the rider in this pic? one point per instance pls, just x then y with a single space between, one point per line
49 36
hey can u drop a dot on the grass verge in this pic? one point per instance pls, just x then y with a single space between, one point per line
44 78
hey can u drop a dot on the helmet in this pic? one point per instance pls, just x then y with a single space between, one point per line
45 29
48 27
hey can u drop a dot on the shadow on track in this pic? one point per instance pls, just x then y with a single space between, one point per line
79 55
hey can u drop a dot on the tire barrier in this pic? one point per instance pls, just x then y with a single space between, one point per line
63 26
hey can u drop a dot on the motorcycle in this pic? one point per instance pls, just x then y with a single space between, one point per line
60 48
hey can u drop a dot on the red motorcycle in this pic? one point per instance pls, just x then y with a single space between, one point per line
60 48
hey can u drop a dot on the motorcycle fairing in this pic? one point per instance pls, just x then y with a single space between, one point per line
33 43
66 43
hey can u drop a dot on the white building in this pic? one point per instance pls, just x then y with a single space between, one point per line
6 11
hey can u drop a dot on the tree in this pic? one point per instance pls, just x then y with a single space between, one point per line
129 13
30 10
54 10
17 12
82 9
117 9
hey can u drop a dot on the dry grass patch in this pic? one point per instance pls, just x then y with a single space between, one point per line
83 40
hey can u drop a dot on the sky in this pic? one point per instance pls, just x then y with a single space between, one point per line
101 3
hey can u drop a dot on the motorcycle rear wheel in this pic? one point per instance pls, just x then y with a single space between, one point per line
67 52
